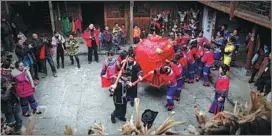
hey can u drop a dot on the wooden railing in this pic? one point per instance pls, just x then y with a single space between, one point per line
258 12
258 8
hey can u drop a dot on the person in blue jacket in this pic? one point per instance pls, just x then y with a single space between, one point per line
237 44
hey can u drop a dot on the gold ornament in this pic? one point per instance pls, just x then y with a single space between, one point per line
159 51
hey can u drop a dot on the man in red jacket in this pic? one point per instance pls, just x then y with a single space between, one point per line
208 61
92 41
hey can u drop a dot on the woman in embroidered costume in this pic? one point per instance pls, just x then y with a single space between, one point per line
221 90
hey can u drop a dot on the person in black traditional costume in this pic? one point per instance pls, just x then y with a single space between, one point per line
120 98
136 73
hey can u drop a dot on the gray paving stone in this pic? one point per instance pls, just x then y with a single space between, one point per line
76 98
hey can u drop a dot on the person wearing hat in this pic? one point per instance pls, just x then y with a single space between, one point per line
119 97
177 69
221 90
169 78
191 63
229 48
10 105
136 73
208 61
199 63
183 62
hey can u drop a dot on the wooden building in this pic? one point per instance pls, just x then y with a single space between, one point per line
258 12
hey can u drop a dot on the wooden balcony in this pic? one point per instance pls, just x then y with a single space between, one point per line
258 12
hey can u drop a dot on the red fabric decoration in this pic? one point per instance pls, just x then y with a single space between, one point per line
106 82
78 25
149 59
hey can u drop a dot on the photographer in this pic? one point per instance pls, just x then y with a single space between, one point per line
36 45
58 41
46 56
24 54
10 105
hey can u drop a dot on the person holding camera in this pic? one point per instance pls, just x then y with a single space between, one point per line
58 41
46 56
35 47
10 105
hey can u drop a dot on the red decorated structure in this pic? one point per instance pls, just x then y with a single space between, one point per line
151 54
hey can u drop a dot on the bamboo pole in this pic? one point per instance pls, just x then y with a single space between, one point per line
131 21
51 16
119 74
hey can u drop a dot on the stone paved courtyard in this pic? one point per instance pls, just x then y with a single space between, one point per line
76 98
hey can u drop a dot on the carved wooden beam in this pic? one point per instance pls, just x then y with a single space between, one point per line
246 16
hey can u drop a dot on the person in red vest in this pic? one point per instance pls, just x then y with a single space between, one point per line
109 70
221 90
208 61
191 63
199 63
169 78
184 64
92 41
177 69
201 39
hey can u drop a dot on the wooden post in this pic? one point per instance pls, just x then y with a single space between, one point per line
7 7
131 21
59 17
51 16
105 15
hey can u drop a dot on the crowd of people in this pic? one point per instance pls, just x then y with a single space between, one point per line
195 57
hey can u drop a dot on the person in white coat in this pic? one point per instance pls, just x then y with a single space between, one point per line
58 42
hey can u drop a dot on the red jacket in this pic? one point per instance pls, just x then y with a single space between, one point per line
177 69
202 40
200 52
183 61
208 58
222 84
87 35
194 51
190 57
169 79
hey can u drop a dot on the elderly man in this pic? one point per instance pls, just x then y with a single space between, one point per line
92 41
